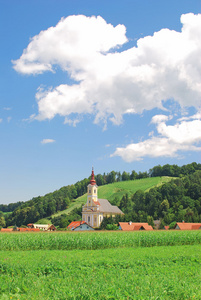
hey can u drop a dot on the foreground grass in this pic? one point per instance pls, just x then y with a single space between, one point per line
171 272
117 190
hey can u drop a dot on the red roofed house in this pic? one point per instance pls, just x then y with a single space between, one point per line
96 209
44 227
79 226
130 226
166 227
6 229
187 226
28 229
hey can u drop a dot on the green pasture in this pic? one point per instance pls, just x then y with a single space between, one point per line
165 272
117 190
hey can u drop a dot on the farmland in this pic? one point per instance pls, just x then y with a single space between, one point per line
100 265
96 240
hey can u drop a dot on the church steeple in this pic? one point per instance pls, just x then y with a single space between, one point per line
92 190
92 181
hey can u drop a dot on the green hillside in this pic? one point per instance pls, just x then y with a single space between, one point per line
115 191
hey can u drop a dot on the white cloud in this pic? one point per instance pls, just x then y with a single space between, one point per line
47 141
183 136
109 84
159 118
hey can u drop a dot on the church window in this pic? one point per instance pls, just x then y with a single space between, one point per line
88 219
95 219
89 191
94 191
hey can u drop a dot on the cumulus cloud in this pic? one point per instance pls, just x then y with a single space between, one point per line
108 82
183 136
47 141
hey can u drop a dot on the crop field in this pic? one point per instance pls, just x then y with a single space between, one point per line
100 265
96 240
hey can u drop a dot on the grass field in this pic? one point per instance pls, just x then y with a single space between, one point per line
166 272
117 190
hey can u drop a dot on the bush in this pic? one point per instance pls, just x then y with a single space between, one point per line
172 225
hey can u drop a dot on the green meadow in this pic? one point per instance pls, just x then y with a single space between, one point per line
101 265
116 190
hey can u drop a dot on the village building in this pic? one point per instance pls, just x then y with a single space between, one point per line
6 229
187 226
96 209
79 226
44 227
166 227
130 226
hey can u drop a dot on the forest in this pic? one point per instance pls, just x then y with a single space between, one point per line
177 200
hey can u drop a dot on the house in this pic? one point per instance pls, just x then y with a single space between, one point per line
79 226
166 227
157 224
27 229
44 227
130 226
6 229
187 226
96 209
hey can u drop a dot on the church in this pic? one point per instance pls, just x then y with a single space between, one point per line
96 209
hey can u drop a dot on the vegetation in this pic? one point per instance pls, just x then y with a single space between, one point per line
173 201
114 192
166 272
95 240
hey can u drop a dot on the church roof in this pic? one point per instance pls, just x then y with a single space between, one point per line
106 207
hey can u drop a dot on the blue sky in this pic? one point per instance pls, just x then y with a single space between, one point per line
113 84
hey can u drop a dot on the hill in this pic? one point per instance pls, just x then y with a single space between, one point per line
115 191
69 199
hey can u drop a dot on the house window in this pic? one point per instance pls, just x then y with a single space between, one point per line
89 191
88 219
89 201
94 191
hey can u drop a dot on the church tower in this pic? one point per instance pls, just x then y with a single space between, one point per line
96 209
92 191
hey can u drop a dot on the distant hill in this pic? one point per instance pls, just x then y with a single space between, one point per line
115 191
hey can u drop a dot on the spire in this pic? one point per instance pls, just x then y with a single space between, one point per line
92 181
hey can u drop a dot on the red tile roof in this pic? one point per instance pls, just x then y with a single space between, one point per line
75 224
7 229
28 229
130 226
188 226
166 227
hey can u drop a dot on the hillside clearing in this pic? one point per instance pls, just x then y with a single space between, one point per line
117 190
